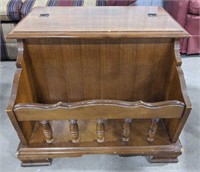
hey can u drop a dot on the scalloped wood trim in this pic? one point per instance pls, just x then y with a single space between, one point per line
177 52
95 109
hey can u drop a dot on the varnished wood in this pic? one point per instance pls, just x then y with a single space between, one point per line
94 109
175 126
90 22
162 153
21 92
10 106
74 131
100 129
152 130
38 162
173 158
47 130
90 74
126 129
88 134
177 52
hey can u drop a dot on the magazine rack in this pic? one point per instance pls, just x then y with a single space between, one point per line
105 85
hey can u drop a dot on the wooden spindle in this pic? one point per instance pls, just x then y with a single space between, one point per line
126 130
152 129
74 131
100 129
47 130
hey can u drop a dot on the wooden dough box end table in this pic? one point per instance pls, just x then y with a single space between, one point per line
100 80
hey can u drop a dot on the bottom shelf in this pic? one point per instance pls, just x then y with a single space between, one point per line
40 153
87 133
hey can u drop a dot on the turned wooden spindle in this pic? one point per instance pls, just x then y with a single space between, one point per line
126 130
47 130
100 129
152 129
74 131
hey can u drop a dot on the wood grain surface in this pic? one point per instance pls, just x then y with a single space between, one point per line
98 22
91 80
116 69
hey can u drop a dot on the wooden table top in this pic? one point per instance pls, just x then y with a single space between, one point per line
73 22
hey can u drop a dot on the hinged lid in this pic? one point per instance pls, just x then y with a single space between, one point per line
98 22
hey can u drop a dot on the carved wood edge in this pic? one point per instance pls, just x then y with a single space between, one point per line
10 107
186 98
100 102
180 73
177 52
17 76
188 105
20 49
15 85
14 90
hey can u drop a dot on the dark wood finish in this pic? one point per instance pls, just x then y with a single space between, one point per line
100 129
47 130
26 94
37 162
152 130
87 134
126 129
171 158
174 149
92 79
175 126
74 131
96 109
89 75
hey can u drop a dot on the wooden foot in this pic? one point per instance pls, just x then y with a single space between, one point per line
164 158
126 130
38 162
74 131
100 129
47 131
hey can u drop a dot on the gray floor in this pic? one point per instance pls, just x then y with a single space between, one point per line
190 137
